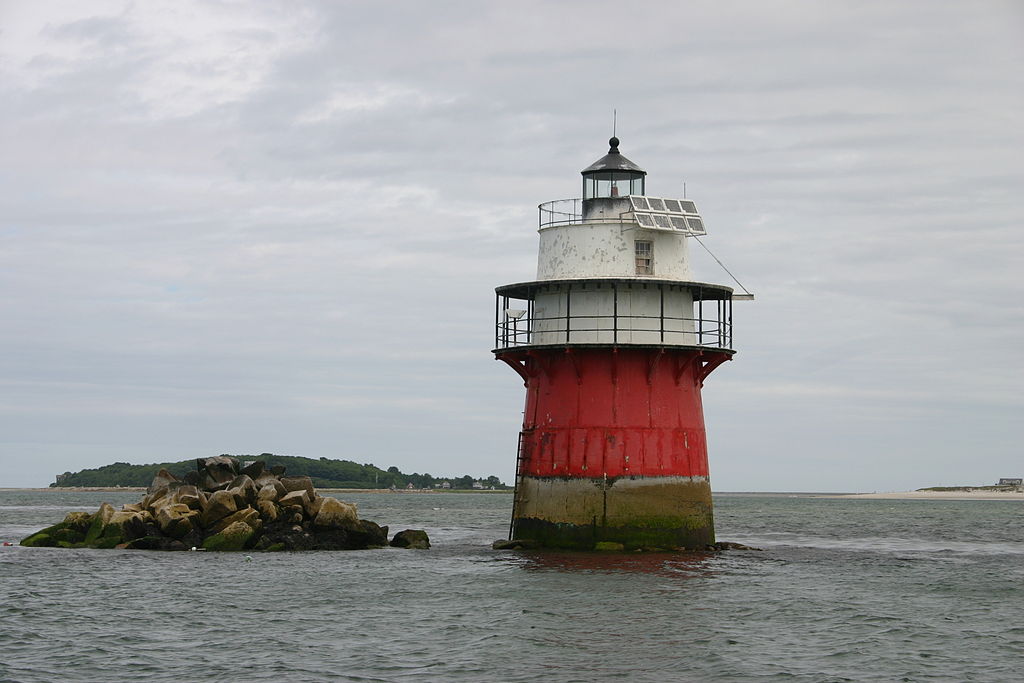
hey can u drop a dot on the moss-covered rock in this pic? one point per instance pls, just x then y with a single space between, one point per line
414 539
146 543
99 521
40 539
108 542
609 546
79 521
65 534
234 537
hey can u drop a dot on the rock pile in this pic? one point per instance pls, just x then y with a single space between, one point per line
223 506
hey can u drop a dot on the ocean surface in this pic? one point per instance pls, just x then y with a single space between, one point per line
844 590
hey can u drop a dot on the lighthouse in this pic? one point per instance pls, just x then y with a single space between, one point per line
614 339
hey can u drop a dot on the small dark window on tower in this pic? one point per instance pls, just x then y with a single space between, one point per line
644 257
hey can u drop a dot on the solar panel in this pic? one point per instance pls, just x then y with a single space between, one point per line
645 220
695 224
655 213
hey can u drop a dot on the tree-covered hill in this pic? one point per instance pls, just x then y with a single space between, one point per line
324 472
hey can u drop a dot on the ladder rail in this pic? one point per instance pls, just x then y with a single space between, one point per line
518 488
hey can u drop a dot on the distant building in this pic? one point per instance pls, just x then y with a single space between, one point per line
1005 481
410 486
478 485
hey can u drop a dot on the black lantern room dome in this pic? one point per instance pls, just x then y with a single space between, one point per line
613 175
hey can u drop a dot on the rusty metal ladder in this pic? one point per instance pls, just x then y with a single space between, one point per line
518 489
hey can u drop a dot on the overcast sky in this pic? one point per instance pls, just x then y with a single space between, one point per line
277 227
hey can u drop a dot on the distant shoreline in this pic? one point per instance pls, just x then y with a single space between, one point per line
937 495
976 494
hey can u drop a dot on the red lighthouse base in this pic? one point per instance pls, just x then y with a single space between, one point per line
613 447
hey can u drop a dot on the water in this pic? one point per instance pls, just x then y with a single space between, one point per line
845 590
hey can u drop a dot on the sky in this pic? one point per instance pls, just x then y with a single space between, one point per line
232 227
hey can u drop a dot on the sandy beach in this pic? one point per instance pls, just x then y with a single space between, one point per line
940 495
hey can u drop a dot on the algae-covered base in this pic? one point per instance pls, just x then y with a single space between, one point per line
545 534
612 547
638 513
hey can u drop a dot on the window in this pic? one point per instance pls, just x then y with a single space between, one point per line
644 257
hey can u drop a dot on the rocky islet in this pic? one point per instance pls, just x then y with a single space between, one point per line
224 505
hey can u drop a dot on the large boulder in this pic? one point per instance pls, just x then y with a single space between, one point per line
299 499
220 463
335 514
415 539
369 534
99 521
299 484
49 537
187 495
79 521
216 473
177 520
162 479
313 507
267 509
268 479
246 516
219 505
268 492
234 537
254 469
245 484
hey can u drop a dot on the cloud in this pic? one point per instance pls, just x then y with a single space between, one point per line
235 227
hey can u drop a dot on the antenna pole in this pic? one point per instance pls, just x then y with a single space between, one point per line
615 115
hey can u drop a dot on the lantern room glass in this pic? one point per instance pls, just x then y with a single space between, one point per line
612 184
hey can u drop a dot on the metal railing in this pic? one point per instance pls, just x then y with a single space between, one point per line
531 330
560 212
570 211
